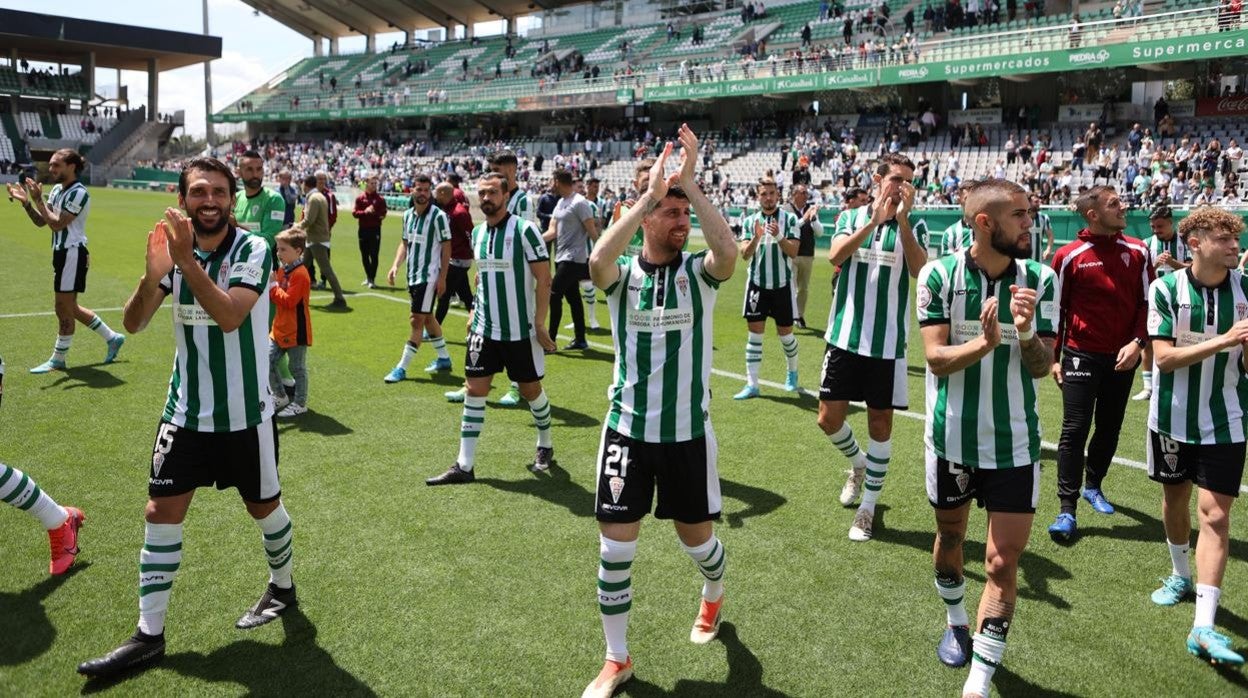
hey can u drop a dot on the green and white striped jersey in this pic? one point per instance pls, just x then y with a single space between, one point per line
221 379
73 199
504 298
986 415
1039 234
424 234
1202 403
957 237
518 205
921 232
595 209
871 311
1176 246
661 319
636 242
770 267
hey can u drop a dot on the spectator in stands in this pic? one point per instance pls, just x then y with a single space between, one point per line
315 225
1094 137
370 211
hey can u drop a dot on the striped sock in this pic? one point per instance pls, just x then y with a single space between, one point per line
439 345
158 565
789 342
588 295
19 490
753 357
61 348
540 407
1148 380
409 353
711 559
278 537
470 430
101 328
844 441
989 646
952 592
878 453
615 593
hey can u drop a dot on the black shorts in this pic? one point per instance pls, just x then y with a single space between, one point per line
1215 467
1007 490
524 360
423 298
684 473
69 270
183 460
881 383
779 304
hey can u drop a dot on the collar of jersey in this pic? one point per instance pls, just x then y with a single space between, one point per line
501 224
649 267
1198 285
1010 271
226 243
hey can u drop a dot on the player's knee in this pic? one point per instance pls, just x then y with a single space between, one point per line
1216 519
1001 565
830 423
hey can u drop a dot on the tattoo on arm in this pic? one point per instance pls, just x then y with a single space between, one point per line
35 218
1038 355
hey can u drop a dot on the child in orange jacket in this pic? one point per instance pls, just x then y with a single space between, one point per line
292 325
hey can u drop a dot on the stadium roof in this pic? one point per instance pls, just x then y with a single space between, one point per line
56 39
338 18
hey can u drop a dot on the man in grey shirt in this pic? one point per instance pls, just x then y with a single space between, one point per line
572 226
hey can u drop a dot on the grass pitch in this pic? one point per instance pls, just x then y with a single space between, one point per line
489 589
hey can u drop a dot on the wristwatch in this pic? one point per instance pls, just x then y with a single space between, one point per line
1138 341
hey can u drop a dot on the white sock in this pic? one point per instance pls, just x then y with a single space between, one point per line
615 593
1206 605
1148 380
439 345
844 441
61 348
540 408
989 647
953 594
878 454
409 353
789 343
470 430
711 559
158 565
19 490
753 357
288 382
278 537
101 328
1178 560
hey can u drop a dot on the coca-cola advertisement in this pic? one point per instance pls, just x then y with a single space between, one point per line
1222 106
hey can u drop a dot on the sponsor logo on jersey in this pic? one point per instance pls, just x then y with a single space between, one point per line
1085 265
924 297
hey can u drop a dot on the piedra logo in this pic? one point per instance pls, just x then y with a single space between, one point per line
1089 57
912 73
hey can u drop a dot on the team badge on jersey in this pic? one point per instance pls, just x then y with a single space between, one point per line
753 300
1126 259
924 297
616 484
963 479
158 459
1074 360
1241 311
1154 320
1172 461
682 285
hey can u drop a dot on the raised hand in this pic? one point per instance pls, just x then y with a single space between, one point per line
989 323
34 190
159 264
17 192
181 237
688 158
907 198
658 178
1022 306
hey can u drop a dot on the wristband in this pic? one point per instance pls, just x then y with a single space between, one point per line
1024 336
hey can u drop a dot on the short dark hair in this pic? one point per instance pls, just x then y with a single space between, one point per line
562 178
250 154
207 164
503 157
593 180
454 179
643 166
1160 211
853 193
766 181
73 158
890 160
422 178
310 181
1089 199
676 192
